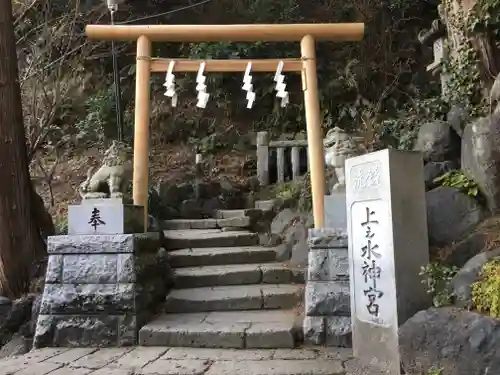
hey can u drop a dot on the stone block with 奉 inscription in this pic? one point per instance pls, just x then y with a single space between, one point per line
105 216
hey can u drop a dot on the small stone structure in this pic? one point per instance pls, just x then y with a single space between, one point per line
327 301
264 149
100 283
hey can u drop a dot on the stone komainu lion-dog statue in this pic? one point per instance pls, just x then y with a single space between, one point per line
110 180
339 146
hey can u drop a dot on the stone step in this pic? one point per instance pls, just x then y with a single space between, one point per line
227 214
181 239
232 222
237 297
235 274
211 256
267 205
230 329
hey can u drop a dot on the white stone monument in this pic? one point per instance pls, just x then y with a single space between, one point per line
105 216
387 229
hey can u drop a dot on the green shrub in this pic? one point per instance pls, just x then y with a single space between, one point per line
458 180
486 291
437 278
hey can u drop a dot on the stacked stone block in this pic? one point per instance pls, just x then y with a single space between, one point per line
100 288
327 300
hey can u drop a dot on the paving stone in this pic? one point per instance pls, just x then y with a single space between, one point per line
68 371
179 367
270 335
219 354
138 358
295 354
277 367
71 355
113 371
237 274
180 239
42 354
214 299
221 255
41 368
100 358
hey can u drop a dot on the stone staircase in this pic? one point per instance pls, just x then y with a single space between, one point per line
229 291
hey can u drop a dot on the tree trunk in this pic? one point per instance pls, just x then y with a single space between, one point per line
20 241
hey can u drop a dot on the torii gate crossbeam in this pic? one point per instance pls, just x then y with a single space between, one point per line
307 34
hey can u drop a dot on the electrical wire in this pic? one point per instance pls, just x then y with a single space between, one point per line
165 13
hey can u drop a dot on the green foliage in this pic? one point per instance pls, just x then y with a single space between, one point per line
464 79
288 190
296 193
61 225
458 180
435 371
99 124
404 127
485 15
209 144
486 291
437 278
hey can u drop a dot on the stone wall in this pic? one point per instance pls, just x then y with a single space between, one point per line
99 289
327 297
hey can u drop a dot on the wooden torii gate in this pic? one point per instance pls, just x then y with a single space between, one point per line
307 34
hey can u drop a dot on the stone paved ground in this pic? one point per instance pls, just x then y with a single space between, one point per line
179 361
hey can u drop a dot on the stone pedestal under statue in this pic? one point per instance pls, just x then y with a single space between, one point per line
101 279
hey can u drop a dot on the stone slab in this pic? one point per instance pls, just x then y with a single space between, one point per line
180 239
288 367
314 329
227 214
101 244
327 238
138 358
328 265
241 297
270 335
240 274
327 298
100 358
105 218
88 298
231 329
338 331
221 255
336 210
175 367
199 335
388 245
165 360
190 224
214 299
101 330
282 296
219 354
